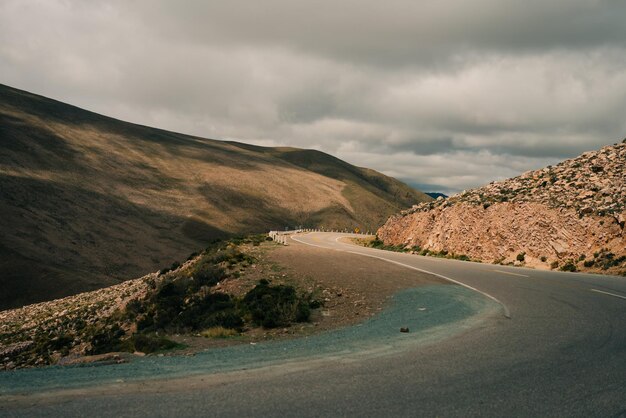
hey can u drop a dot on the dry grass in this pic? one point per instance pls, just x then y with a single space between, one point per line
89 201
219 332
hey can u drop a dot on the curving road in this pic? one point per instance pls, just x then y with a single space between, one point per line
556 348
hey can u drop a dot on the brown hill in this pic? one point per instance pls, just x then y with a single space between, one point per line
570 216
87 201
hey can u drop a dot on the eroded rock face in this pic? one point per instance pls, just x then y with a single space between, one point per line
573 213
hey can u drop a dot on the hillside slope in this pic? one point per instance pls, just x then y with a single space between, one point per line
570 216
87 201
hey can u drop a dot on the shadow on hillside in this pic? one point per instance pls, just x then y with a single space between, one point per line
17 130
57 234
39 147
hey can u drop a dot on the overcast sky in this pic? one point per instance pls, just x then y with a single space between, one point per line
445 95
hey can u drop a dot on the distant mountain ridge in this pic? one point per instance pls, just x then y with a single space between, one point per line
88 201
435 195
570 216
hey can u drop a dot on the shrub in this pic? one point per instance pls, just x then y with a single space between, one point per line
134 308
275 306
107 340
150 343
521 256
214 309
61 342
568 266
257 239
554 264
543 258
193 255
206 274
377 243
589 263
229 255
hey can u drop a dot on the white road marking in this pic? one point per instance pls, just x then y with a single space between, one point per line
607 293
512 274
507 314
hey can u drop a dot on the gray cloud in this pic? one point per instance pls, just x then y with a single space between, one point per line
438 93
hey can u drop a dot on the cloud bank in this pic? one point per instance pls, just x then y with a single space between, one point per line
444 95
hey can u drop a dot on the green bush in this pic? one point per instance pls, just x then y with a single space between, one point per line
214 309
230 256
173 309
377 243
275 306
134 308
193 255
207 274
568 266
521 256
150 343
107 340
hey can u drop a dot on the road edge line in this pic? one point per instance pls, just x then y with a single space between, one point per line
608 293
507 313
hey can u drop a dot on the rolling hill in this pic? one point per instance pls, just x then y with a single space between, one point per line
87 201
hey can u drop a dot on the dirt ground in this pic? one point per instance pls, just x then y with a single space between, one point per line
360 291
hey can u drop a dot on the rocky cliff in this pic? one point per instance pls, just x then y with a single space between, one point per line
569 216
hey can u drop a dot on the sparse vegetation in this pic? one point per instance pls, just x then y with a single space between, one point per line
605 259
548 211
569 266
219 332
380 245
276 306
184 300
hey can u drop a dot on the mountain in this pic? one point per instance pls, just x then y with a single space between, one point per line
569 217
87 201
435 195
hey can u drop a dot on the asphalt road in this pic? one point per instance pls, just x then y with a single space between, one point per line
556 348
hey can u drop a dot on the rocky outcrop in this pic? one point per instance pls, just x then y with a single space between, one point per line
43 333
570 216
